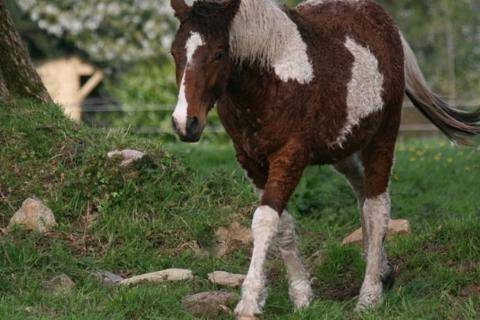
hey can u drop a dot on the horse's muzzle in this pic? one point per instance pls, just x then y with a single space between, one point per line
193 130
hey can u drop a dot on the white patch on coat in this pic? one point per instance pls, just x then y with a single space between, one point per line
264 229
181 110
365 88
300 289
377 214
262 32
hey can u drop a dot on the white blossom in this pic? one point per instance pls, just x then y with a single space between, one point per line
107 30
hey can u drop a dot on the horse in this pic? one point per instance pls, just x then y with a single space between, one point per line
322 83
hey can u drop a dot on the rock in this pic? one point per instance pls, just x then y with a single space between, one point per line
61 284
231 238
210 305
395 227
29 310
226 279
34 216
107 278
160 276
128 156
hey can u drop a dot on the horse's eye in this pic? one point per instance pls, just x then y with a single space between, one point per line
219 55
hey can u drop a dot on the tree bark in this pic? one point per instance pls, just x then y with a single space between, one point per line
4 93
18 77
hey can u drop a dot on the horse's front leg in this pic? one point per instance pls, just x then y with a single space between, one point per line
285 170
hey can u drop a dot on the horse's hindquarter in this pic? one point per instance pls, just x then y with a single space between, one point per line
359 82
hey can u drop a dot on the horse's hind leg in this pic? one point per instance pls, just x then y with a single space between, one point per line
353 170
377 159
300 290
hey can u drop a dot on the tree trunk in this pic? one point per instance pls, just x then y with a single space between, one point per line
4 93
18 77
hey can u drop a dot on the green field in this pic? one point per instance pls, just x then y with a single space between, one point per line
146 218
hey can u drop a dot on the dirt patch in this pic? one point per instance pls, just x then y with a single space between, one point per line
440 249
470 291
81 244
345 286
231 238
343 291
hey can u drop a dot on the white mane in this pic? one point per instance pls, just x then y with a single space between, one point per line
262 33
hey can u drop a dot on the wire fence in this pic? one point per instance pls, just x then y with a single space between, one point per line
94 108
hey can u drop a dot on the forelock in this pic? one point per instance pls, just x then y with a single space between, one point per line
209 17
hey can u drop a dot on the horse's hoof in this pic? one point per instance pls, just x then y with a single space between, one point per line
370 297
368 303
247 309
301 294
247 318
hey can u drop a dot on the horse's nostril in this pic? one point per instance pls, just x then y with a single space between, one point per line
192 124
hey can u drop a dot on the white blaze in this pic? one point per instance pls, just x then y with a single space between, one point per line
180 114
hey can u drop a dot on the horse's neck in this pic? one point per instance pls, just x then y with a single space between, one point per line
250 85
264 34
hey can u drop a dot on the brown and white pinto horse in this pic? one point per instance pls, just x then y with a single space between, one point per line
322 83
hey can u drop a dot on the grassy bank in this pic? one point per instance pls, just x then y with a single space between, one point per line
156 214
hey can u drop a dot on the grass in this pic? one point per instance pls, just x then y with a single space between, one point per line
152 216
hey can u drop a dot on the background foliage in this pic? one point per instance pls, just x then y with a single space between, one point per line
127 30
131 39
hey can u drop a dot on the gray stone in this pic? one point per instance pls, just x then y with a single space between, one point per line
128 156
34 216
60 284
160 277
210 305
395 227
107 278
226 279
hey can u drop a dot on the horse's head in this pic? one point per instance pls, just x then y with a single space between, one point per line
201 53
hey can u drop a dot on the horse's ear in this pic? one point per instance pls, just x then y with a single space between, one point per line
231 8
181 8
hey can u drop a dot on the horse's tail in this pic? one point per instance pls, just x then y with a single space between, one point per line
458 125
